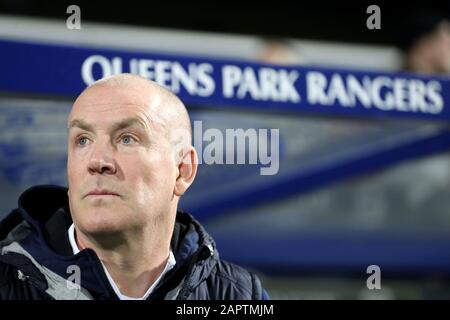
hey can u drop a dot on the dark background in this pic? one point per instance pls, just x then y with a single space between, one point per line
318 20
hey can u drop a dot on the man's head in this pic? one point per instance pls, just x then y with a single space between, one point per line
130 156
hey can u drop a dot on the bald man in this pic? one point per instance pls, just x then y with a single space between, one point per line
116 232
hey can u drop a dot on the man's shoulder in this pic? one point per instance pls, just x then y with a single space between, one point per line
232 271
15 286
7 279
6 273
243 280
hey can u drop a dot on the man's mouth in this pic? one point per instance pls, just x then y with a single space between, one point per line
102 192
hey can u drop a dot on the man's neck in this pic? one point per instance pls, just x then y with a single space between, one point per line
135 263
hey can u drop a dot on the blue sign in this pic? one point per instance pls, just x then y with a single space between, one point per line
66 70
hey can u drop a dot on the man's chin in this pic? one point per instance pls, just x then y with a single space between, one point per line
104 219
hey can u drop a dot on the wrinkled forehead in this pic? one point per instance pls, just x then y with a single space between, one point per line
101 106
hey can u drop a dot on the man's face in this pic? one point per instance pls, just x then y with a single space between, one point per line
120 166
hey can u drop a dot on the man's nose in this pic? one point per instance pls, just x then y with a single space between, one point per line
102 159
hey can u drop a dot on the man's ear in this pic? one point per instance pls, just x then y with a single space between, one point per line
187 169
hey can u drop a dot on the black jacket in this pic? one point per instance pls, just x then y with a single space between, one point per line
36 258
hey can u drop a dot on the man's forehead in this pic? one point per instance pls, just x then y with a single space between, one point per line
103 99
98 107
107 114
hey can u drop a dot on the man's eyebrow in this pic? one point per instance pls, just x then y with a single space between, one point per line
80 124
125 123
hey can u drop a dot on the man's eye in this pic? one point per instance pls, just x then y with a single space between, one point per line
82 141
127 140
